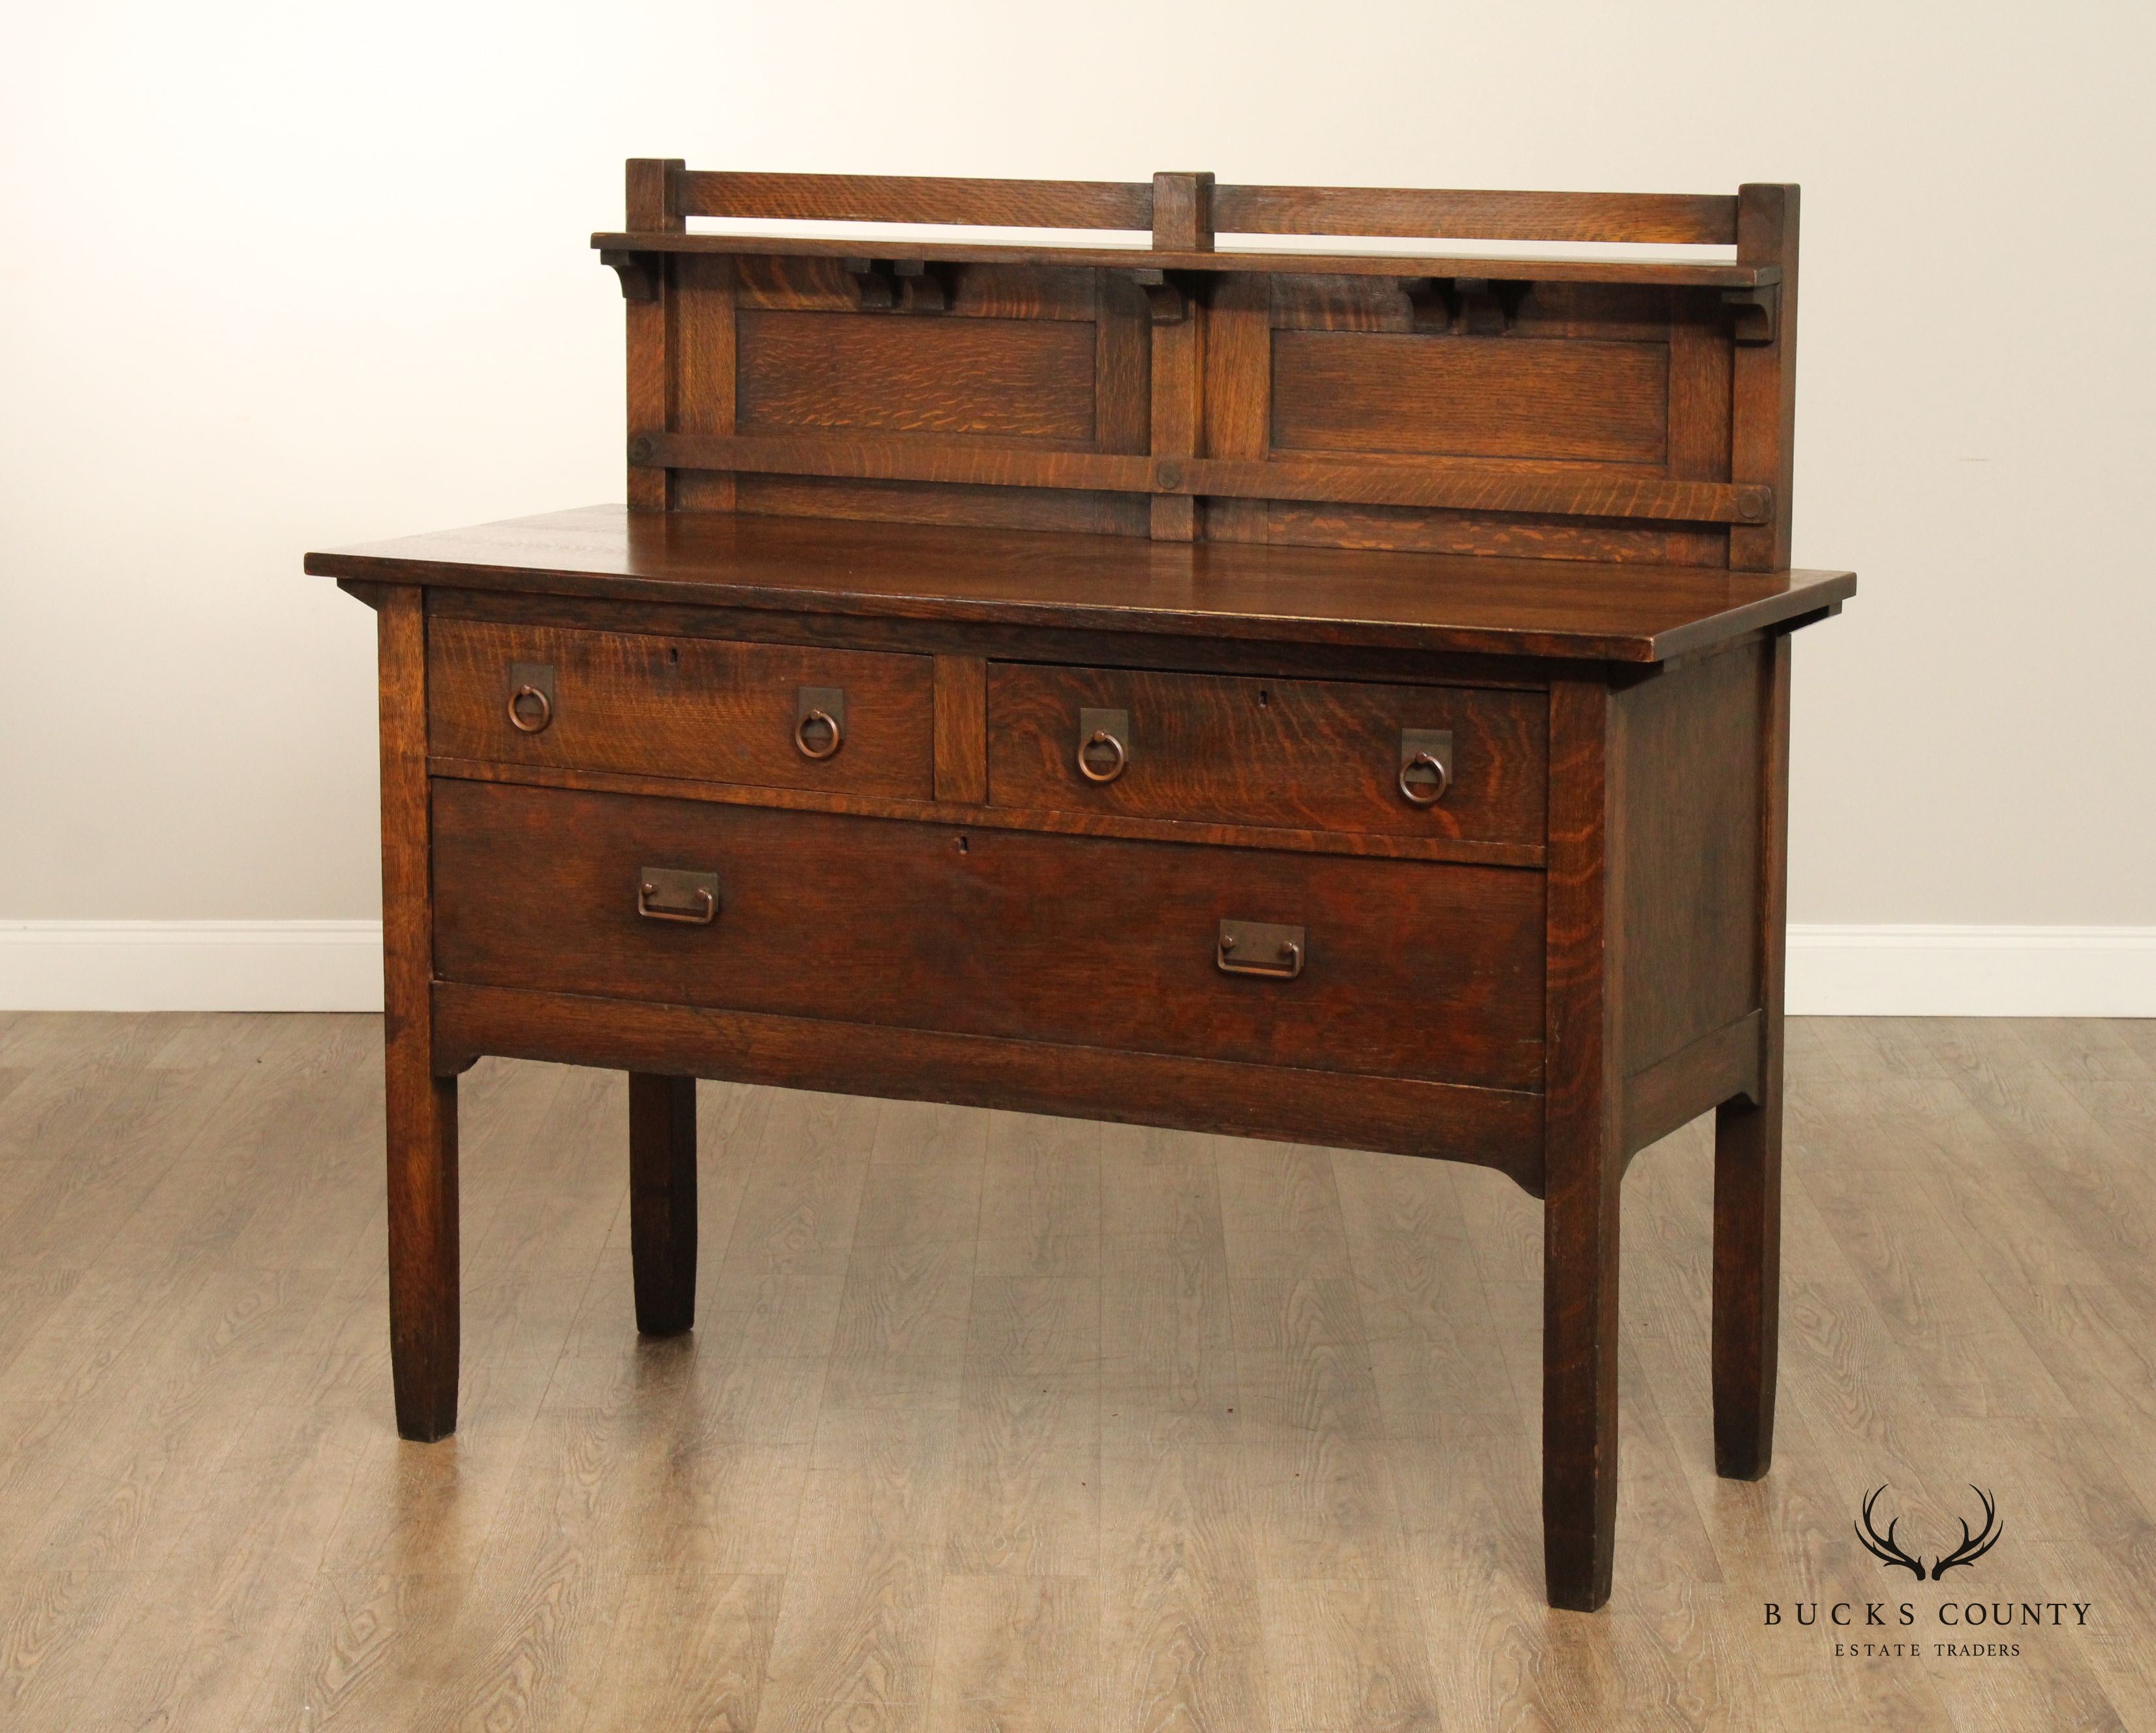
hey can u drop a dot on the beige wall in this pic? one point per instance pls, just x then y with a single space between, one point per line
288 278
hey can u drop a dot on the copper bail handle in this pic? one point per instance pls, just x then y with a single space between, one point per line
1101 737
707 912
1425 794
515 716
801 734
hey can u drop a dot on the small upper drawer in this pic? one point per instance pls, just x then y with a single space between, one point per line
1318 754
775 715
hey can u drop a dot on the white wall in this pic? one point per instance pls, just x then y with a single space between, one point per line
278 277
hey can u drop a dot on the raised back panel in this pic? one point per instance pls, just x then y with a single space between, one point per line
1607 410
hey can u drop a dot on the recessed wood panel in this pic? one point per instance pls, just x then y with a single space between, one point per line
1470 396
1689 851
1011 378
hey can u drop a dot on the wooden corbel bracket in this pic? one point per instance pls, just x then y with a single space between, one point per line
1168 294
1759 311
876 278
1463 306
911 286
926 285
641 273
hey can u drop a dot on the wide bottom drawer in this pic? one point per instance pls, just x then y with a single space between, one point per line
1409 969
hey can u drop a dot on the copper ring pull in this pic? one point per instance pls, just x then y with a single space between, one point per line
707 910
1101 737
516 716
1425 794
801 734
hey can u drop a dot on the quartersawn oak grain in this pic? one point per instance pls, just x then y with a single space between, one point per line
1320 755
1416 969
1278 506
1572 609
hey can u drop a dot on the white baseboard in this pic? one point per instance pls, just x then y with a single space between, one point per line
1972 972
190 965
336 965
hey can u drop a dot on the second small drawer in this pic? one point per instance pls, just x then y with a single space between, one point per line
1462 763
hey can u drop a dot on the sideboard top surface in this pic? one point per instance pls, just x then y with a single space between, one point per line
1221 590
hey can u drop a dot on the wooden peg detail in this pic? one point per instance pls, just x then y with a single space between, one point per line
640 273
1758 312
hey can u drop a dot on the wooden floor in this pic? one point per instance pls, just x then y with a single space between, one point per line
992 1421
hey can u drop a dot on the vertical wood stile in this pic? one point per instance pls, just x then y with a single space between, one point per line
1764 402
702 364
651 210
1582 1145
962 729
1181 223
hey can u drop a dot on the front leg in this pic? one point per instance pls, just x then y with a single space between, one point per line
1583 1167
424 1311
662 1201
421 1107
1747 1141
1579 1384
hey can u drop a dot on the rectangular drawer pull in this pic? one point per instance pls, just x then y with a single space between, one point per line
671 893
1255 947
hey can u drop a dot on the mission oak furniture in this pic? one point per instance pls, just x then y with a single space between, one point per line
1339 696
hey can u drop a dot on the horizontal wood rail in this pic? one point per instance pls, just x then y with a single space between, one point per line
1458 485
1669 218
1187 211
914 198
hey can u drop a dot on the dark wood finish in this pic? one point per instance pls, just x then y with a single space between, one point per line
1488 1128
421 1106
1470 396
900 198
1414 970
662 1201
1295 596
1375 845
1718 1068
1689 738
1271 520
1177 478
683 707
962 729
1321 756
1747 1141
1688 273
649 210
1706 219
1582 1133
1763 435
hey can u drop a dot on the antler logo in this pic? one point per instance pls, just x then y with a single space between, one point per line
1888 1551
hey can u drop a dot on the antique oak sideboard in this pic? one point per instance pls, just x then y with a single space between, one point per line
1334 695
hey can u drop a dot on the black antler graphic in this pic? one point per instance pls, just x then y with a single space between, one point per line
1973 1546
1882 1546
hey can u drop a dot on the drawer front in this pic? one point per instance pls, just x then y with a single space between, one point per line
1406 968
682 707
1318 754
